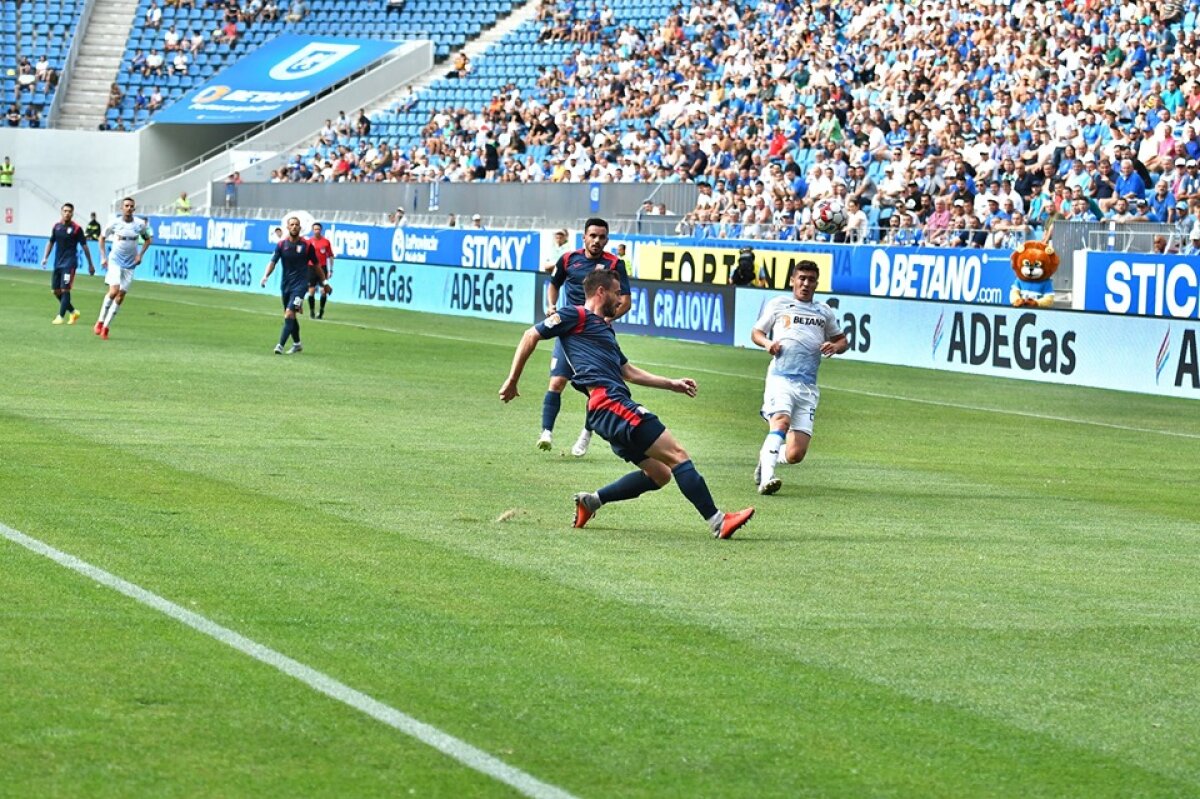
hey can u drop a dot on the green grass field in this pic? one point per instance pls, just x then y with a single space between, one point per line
952 596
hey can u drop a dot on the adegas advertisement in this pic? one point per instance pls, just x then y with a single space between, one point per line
1142 284
27 251
712 265
1156 356
458 292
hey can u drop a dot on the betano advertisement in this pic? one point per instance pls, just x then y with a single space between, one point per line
973 276
1155 356
1141 284
280 74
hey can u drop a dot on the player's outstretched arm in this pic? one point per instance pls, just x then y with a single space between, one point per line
638 376
525 348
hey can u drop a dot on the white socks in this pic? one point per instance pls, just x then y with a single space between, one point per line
113 307
104 308
772 452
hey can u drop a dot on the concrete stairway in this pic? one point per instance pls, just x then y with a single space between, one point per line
97 64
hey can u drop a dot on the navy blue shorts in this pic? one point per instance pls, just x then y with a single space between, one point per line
63 278
293 297
559 367
627 426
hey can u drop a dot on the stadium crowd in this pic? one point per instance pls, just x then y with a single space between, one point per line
934 121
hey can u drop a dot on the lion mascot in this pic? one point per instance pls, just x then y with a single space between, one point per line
1034 264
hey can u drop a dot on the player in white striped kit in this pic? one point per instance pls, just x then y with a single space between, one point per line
796 332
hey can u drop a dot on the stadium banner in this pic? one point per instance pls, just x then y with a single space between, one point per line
667 310
1138 284
1155 356
472 249
280 74
950 275
504 296
26 251
703 263
923 273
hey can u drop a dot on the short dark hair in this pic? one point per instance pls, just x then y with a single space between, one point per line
807 266
596 221
599 277
68 205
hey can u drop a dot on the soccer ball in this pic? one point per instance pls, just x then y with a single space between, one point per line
829 215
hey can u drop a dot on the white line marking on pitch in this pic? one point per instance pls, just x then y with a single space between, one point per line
445 743
701 370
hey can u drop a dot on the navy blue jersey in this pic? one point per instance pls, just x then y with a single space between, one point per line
297 258
574 266
67 239
590 347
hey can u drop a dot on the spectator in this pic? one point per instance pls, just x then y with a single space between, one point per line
270 11
115 96
231 189
396 218
477 222
297 11
183 206
140 100
154 64
171 40
153 16
92 229
179 64
156 99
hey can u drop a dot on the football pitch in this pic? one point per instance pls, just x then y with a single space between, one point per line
972 587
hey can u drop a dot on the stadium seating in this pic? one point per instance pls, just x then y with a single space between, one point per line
31 30
449 24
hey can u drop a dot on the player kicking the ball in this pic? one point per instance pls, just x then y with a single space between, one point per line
796 332
601 370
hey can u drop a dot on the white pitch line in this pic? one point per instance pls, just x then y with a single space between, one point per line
445 743
824 387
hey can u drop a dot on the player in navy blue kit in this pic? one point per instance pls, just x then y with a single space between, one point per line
570 270
298 257
66 237
601 370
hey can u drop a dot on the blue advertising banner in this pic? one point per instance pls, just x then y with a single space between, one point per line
692 313
949 275
471 249
1143 284
282 73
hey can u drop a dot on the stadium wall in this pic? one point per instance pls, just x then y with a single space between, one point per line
551 201
1145 354
58 166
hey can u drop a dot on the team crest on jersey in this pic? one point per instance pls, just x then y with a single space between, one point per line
553 319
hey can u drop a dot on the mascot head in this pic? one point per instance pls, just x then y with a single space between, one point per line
1034 261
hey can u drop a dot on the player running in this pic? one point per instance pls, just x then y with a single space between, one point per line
124 232
325 257
796 332
601 370
570 270
66 237
298 257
